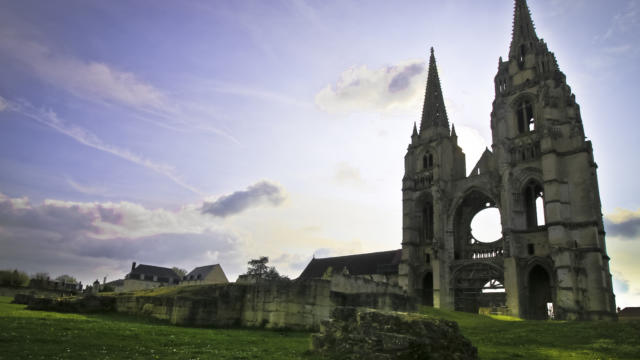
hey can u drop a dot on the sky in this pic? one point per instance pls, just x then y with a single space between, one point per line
183 134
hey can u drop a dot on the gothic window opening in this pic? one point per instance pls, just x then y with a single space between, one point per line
534 204
526 122
523 51
427 161
428 221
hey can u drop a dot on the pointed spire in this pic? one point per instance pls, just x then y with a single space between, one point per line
453 130
523 30
433 111
415 130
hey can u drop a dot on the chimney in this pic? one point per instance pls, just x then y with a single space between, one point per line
133 266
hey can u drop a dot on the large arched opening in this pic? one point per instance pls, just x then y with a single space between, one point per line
477 228
540 300
478 285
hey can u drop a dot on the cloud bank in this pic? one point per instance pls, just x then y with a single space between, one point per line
263 192
397 86
91 239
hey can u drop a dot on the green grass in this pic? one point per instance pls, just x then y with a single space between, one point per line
26 334
510 338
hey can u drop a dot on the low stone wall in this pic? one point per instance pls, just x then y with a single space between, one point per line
301 305
272 304
208 305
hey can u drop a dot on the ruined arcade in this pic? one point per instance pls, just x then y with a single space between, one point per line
539 163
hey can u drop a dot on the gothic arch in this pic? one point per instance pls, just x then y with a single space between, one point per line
525 114
468 191
523 176
539 282
468 280
425 207
464 209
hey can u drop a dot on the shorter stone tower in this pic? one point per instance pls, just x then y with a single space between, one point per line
540 174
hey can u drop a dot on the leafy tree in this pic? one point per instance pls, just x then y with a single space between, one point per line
179 271
41 276
67 279
258 268
13 278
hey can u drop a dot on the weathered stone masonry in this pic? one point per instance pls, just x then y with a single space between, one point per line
539 158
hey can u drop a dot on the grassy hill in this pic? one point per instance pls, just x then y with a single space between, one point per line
28 334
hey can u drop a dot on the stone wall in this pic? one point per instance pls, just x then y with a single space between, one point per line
272 304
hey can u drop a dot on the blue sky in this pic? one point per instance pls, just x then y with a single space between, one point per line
121 122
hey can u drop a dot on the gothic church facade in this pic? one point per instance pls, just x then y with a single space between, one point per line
539 162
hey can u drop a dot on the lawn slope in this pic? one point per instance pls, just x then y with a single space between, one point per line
511 338
26 334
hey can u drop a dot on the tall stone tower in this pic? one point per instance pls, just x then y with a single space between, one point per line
541 176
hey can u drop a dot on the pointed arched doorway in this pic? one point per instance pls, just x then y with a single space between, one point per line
539 293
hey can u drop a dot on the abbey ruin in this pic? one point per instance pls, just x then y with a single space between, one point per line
539 163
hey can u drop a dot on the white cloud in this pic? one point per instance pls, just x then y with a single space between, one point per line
3 104
399 86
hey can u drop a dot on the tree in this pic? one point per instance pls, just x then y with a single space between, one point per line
41 276
179 271
66 279
258 268
13 278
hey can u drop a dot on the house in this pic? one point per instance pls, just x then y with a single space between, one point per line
210 274
148 277
378 266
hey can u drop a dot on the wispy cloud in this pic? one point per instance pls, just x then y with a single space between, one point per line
397 86
85 189
103 83
253 92
263 192
87 138
623 22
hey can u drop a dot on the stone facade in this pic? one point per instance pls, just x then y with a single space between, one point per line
539 161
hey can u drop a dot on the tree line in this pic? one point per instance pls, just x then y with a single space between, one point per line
16 278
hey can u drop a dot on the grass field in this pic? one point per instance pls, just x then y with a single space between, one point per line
28 334
511 338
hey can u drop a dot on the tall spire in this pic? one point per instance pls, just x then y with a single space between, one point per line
523 30
433 110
